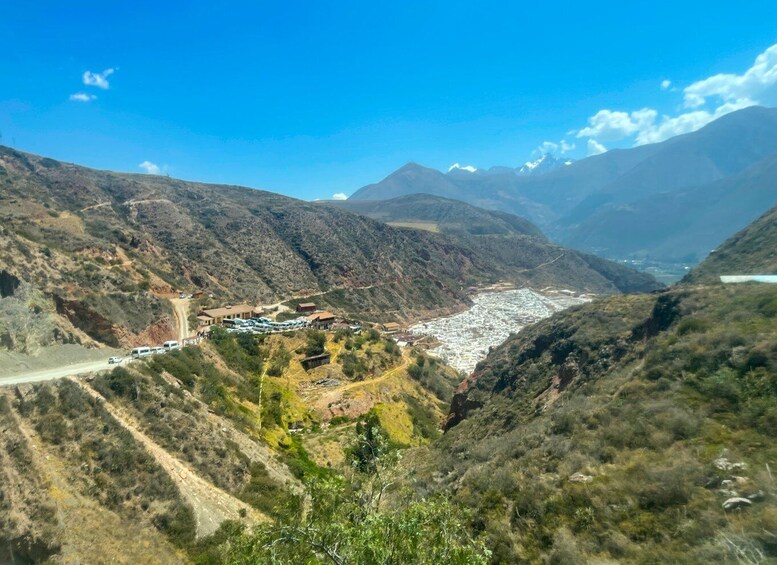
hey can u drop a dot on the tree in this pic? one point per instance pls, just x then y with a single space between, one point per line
347 521
279 361
371 447
316 343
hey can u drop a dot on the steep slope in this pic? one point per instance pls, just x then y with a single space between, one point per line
591 204
435 213
752 251
629 427
105 250
162 460
515 248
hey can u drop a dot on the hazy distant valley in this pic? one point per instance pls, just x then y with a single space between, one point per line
669 203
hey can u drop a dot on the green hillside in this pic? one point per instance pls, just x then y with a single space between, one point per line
619 429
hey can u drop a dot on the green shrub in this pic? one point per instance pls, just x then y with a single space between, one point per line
316 342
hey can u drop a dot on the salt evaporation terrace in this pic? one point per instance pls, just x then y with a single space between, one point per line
465 337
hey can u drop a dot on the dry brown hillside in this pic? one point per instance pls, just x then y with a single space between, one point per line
104 249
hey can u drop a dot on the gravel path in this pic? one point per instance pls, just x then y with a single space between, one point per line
57 373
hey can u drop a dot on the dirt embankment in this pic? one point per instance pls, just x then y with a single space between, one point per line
211 505
79 529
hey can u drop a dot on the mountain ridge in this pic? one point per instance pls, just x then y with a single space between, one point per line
585 205
104 249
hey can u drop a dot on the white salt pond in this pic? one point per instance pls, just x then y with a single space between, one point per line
465 337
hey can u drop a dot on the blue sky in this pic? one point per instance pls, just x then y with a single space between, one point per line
316 98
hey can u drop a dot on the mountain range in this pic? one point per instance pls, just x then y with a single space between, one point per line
669 201
102 250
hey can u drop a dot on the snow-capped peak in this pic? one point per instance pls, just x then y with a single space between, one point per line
544 164
458 167
529 166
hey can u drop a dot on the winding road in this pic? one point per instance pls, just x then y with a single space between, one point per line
181 311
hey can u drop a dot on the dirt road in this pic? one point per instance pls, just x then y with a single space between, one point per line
181 311
322 399
58 372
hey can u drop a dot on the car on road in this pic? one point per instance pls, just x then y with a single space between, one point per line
140 352
182 296
115 360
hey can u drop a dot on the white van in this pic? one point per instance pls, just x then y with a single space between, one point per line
170 345
140 352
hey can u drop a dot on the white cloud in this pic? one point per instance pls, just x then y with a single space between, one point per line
685 123
704 100
551 147
339 196
547 147
82 97
100 80
758 83
609 125
150 168
595 148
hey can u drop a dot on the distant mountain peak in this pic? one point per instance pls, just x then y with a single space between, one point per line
459 167
544 164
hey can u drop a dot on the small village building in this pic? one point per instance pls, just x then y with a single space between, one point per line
314 361
322 320
391 327
306 307
218 315
204 320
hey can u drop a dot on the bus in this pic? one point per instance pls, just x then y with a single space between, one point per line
140 352
171 345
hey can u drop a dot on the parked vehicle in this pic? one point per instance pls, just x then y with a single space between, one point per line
140 352
157 350
182 295
115 360
171 345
